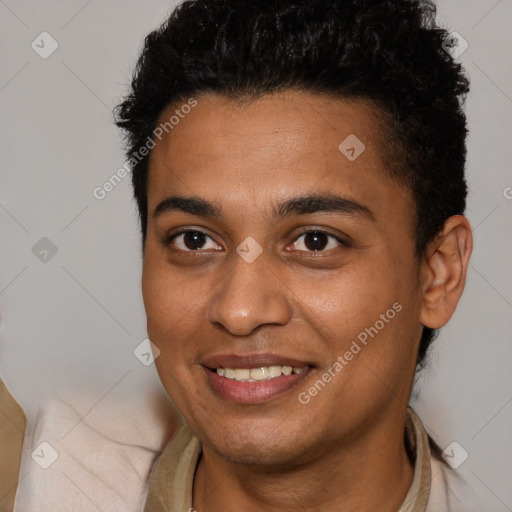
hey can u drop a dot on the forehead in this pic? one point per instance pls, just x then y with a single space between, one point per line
296 121
270 148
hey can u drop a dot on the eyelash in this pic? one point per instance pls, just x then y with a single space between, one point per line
169 238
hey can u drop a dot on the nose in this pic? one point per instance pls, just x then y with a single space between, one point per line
251 295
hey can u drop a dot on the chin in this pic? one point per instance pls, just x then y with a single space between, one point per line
257 455
259 449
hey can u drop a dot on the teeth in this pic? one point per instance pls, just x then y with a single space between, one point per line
258 374
275 371
287 370
242 374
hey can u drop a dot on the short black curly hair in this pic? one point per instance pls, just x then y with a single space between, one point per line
388 52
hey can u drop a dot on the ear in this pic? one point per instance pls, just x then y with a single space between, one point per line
444 271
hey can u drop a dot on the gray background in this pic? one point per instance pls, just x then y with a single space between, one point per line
72 322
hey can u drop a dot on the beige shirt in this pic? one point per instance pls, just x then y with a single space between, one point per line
12 431
435 487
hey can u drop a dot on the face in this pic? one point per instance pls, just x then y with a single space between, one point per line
271 249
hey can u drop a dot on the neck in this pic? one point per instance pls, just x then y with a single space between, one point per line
369 473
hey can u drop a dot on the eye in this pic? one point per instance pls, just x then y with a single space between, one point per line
192 240
316 241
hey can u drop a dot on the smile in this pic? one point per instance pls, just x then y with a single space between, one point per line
262 373
255 385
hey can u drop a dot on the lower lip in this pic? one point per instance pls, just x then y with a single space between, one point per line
253 392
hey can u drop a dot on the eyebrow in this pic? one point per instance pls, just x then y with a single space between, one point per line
302 205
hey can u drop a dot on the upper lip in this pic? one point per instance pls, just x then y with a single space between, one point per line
251 361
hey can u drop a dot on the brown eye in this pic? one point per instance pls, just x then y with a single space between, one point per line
192 240
315 241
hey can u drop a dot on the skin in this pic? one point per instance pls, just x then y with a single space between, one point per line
344 450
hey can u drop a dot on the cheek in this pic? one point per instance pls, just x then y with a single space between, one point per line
168 312
162 310
176 308
166 297
370 304
352 297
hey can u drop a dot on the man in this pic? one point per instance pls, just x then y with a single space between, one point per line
299 172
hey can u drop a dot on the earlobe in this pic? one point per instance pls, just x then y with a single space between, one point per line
445 269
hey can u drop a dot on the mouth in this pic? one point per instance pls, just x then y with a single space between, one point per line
259 374
254 379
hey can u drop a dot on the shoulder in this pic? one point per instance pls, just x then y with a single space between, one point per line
449 491
172 478
12 430
109 448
